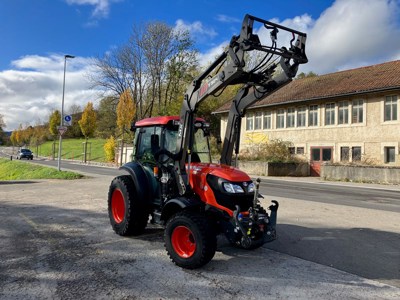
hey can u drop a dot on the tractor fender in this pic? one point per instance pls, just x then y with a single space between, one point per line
175 205
140 179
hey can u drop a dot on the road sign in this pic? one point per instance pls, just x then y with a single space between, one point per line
67 120
62 129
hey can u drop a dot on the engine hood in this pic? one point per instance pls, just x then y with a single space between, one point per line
222 171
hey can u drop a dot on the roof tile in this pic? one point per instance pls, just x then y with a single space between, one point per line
366 79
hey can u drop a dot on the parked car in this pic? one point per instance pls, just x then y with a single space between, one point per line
25 153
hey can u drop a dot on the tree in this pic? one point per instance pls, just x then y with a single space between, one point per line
38 136
109 149
74 130
2 134
150 66
54 121
125 110
88 124
18 138
304 75
107 117
13 138
125 114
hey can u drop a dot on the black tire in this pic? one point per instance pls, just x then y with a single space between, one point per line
190 240
127 211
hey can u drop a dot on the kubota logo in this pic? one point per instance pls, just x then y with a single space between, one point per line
203 89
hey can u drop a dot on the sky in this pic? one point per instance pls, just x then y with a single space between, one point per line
36 34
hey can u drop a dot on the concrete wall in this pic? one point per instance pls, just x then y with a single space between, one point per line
274 169
361 174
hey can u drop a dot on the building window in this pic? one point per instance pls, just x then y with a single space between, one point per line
290 117
356 154
391 108
357 111
280 118
316 154
390 154
330 114
250 122
292 150
267 120
327 154
300 150
301 116
258 121
344 153
343 117
313 115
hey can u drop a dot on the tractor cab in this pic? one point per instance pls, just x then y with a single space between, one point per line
154 137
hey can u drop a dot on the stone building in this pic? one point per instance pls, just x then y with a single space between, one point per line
347 116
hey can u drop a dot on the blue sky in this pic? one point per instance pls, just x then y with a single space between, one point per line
35 35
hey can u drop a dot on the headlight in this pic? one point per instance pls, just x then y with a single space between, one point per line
232 188
250 188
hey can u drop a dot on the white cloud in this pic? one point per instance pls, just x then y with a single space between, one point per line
228 19
353 33
349 34
196 29
33 89
209 56
101 7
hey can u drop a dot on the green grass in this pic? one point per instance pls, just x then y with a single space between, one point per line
18 170
73 149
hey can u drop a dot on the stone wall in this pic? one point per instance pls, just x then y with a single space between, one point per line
274 169
390 175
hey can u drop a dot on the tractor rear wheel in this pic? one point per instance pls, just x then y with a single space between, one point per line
126 209
190 240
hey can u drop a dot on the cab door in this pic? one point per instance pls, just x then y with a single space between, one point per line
318 156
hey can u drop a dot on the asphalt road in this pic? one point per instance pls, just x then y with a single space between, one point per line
353 228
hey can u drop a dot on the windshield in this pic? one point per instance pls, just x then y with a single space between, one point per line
148 140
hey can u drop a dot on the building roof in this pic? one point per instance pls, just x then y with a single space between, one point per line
381 77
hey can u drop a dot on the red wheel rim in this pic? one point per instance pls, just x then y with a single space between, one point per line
118 206
183 241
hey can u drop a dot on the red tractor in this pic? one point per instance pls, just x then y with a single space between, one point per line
172 179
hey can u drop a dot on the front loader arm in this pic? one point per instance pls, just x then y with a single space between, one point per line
262 78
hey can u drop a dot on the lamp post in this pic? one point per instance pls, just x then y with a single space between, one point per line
62 111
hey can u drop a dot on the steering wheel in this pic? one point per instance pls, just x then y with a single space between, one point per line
169 155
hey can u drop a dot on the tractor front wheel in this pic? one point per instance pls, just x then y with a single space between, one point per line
126 208
190 240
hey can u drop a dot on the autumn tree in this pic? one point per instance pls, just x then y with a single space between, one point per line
13 138
38 136
109 149
54 121
19 136
125 114
88 124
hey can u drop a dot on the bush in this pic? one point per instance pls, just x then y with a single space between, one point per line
109 149
271 151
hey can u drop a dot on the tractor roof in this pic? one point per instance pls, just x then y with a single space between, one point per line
163 120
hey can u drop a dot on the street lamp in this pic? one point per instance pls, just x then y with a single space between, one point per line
62 111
